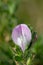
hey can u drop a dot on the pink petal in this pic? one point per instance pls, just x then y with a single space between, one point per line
22 36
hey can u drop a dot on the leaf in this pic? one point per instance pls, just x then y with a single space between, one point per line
17 58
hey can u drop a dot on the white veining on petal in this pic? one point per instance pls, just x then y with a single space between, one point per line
26 32
22 42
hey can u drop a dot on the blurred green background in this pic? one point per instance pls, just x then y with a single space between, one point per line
12 13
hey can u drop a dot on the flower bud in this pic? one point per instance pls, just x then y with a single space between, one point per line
21 36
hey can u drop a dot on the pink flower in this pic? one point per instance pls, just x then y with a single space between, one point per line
21 36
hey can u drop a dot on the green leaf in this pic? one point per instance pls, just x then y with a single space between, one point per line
17 58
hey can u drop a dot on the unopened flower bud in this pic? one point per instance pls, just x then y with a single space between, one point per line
21 36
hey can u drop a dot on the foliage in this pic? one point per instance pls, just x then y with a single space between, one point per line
10 54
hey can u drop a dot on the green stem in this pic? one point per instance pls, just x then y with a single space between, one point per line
24 59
